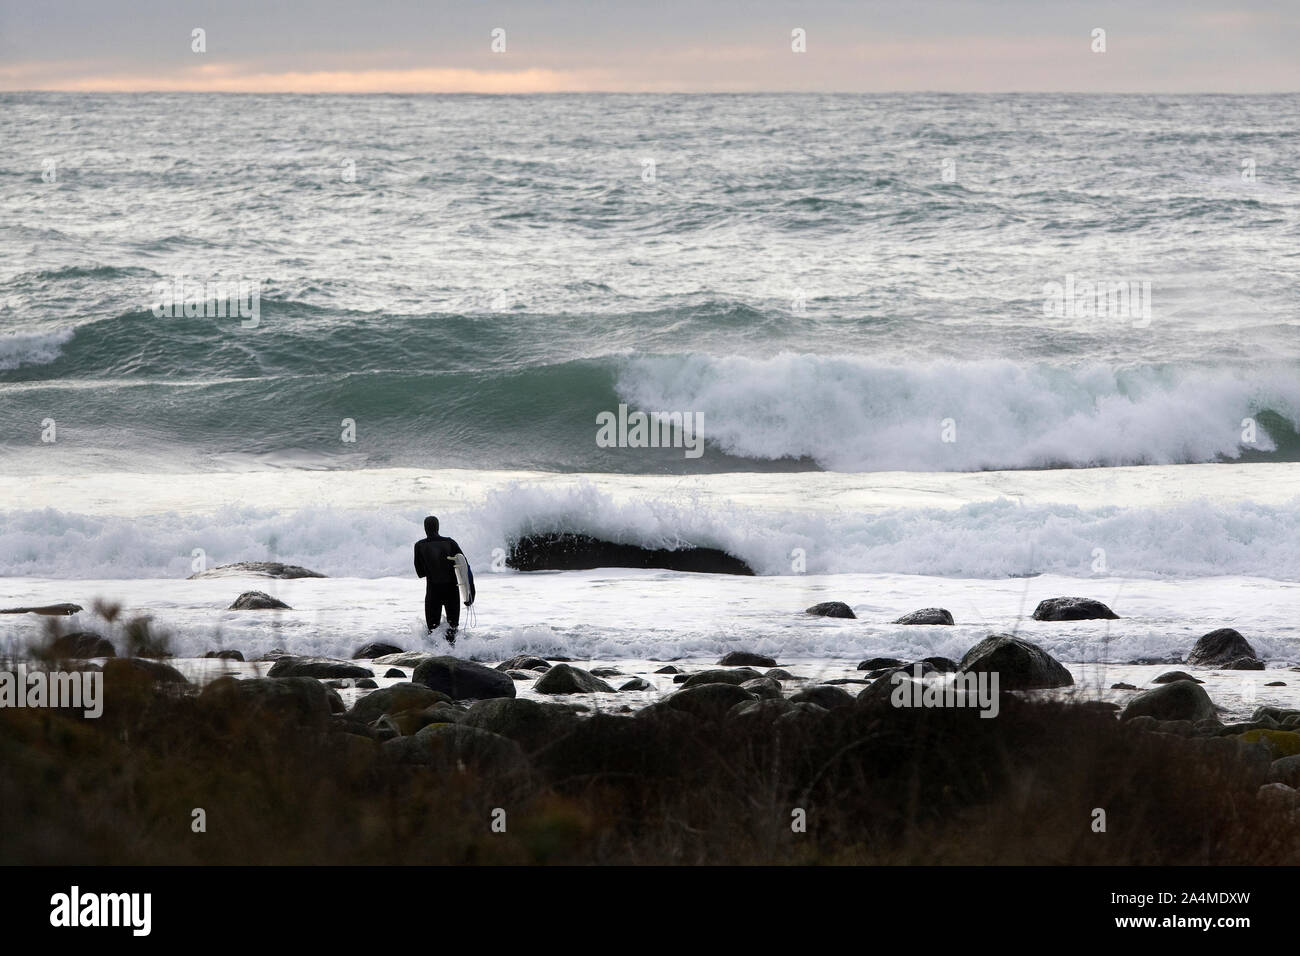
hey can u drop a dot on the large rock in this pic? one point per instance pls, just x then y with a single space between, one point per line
1220 648
706 701
580 552
375 649
80 645
393 700
258 601
137 669
226 655
764 688
1019 664
823 695
1072 609
319 667
746 659
735 675
49 610
531 724
297 700
1181 700
567 679
831 609
463 680
879 663
927 615
261 569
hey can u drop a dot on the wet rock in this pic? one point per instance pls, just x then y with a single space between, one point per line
522 675
668 669
395 672
531 724
562 551
366 683
706 701
736 675
746 659
261 569
879 663
779 673
1276 683
823 695
463 680
831 609
1019 664
1072 609
258 601
297 700
318 667
1219 648
375 649
637 683
1123 686
943 665
392 700
927 615
1168 677
137 669
764 688
49 610
1181 700
225 655
567 679
1243 664
606 672
81 645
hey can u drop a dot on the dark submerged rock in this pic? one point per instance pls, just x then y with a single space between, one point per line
1181 700
579 552
567 679
80 645
1019 664
746 659
927 615
375 649
463 680
263 569
831 609
258 601
737 675
318 667
1072 609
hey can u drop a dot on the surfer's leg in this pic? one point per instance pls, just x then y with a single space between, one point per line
452 599
432 609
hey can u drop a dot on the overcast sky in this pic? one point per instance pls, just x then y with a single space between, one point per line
652 45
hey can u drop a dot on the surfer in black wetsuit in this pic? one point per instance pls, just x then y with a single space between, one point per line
432 563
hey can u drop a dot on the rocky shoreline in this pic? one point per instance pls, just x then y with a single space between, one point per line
654 737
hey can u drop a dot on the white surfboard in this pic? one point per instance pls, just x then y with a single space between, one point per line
462 578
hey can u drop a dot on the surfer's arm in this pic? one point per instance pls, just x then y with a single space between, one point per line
419 565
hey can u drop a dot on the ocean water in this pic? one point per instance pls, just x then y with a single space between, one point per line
856 295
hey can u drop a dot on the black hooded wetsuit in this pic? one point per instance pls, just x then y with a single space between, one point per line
439 573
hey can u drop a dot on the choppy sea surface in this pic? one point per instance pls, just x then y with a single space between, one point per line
856 294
